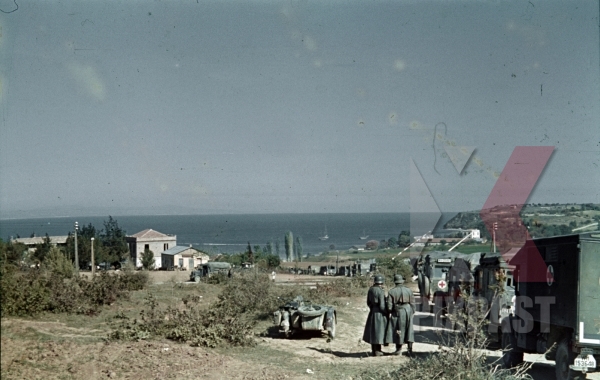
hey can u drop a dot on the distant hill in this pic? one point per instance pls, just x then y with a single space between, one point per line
542 220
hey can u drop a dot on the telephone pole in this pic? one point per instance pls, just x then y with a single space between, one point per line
93 266
76 257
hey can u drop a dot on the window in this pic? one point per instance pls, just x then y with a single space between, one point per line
146 247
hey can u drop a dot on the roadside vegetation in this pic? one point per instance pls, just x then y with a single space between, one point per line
244 300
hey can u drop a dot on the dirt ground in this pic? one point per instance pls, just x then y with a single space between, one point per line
63 348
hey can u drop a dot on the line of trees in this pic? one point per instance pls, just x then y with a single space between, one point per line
109 243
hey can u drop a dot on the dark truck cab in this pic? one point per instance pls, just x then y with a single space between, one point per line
559 316
432 269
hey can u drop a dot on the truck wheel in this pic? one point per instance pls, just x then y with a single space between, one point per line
426 286
196 279
564 358
331 331
510 356
438 305
311 311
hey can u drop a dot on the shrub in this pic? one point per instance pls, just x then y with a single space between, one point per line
389 267
208 328
34 290
148 259
133 280
57 263
23 293
245 299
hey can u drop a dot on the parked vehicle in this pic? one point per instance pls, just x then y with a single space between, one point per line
493 280
432 270
327 270
559 316
208 269
297 315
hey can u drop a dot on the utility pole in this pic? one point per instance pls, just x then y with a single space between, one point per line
494 235
93 266
76 257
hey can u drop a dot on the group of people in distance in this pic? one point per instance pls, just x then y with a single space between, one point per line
390 319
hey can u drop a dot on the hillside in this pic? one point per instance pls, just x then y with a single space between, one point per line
542 220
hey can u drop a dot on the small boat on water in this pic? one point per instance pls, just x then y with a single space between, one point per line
325 236
364 236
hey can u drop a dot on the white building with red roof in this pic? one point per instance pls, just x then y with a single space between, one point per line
155 241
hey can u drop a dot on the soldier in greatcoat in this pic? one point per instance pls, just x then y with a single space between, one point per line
375 329
401 306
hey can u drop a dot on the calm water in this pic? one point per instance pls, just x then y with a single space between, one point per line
231 233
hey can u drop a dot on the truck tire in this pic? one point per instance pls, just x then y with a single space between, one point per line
510 356
311 311
438 305
331 331
564 358
424 291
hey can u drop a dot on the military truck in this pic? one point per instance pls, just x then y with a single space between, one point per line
431 269
493 281
208 269
561 315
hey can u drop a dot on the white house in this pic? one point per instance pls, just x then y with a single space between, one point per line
155 241
184 258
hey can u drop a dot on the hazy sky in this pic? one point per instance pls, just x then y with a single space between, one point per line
157 107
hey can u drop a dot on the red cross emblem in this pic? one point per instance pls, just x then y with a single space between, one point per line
441 284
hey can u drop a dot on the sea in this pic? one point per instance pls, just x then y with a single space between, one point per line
232 233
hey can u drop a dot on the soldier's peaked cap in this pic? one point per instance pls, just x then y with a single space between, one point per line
398 279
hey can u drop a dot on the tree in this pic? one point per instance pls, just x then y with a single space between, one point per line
372 245
42 250
443 242
289 246
392 242
299 248
148 259
12 253
57 263
250 254
269 248
84 245
114 242
277 247
272 261
404 239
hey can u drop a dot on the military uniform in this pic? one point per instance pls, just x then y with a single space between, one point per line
375 329
401 305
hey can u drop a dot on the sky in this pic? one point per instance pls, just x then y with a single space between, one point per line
214 107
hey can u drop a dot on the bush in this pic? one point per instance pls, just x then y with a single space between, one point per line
388 268
37 290
57 263
245 299
188 323
132 280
